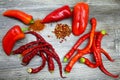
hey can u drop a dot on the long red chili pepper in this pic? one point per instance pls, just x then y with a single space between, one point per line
50 64
14 34
24 17
24 47
35 70
56 57
107 55
29 50
85 50
26 59
76 45
58 14
102 68
97 57
80 18
98 46
38 37
96 49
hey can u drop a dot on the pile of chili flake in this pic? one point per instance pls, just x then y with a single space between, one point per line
62 30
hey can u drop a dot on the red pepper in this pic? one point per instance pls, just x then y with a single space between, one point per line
58 14
76 45
51 65
24 17
8 41
85 50
80 18
39 68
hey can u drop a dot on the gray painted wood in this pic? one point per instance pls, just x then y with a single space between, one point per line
107 13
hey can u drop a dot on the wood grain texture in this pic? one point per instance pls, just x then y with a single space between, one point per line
107 13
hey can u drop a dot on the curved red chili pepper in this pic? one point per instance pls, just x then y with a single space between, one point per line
97 56
76 45
102 68
27 58
58 14
24 17
107 55
85 50
35 70
22 48
80 18
10 38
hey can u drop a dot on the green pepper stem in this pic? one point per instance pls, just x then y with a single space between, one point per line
32 21
24 29
65 60
82 60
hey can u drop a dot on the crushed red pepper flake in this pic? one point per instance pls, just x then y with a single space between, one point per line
62 30
37 26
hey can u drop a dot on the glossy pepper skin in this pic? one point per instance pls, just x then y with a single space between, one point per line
8 41
80 18
58 14
20 15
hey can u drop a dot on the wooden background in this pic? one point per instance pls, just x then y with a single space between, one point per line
107 12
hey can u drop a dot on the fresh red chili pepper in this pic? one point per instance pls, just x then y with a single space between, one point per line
98 46
10 38
50 64
85 50
24 17
80 18
58 14
96 50
76 45
102 68
107 55
97 57
35 70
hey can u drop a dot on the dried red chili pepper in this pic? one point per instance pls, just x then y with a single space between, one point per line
41 46
58 14
80 18
14 34
35 70
27 58
24 17
38 37
24 47
50 64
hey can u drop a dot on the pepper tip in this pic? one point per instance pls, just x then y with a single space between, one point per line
29 70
